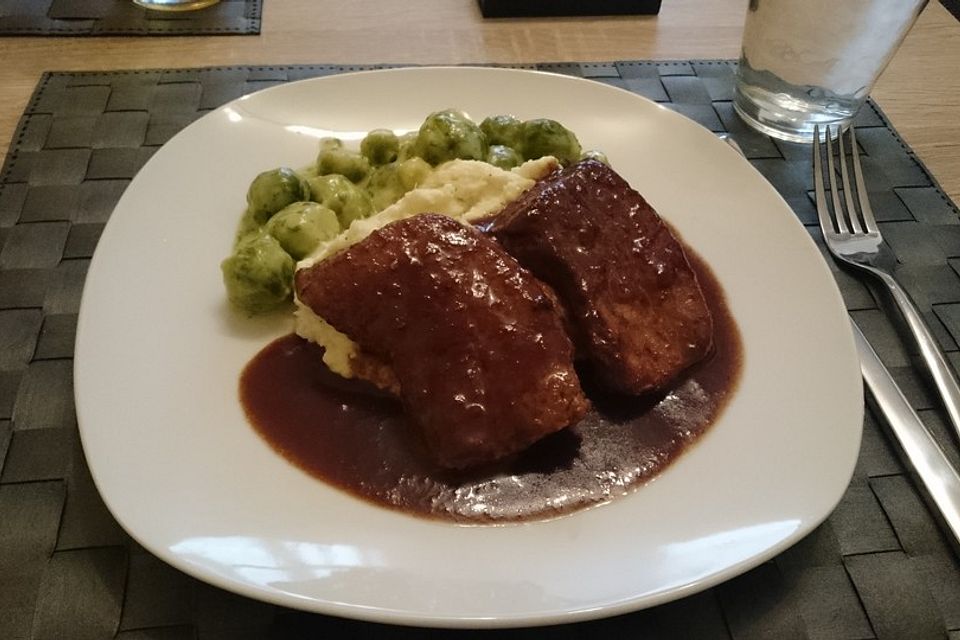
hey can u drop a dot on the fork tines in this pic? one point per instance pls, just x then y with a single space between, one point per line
855 216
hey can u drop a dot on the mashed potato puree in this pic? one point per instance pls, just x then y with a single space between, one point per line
465 190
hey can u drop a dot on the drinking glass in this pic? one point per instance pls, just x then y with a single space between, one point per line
809 62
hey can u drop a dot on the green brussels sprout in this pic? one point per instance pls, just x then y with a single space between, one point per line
328 144
407 146
346 199
248 224
448 135
503 130
308 172
504 157
593 154
543 137
380 146
384 186
301 226
259 274
337 160
412 172
273 190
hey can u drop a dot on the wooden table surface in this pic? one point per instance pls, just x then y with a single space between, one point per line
920 90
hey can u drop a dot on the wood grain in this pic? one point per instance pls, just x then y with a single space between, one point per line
920 90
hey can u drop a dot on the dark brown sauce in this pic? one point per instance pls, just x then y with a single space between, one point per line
348 435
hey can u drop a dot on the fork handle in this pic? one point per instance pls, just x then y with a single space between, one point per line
943 374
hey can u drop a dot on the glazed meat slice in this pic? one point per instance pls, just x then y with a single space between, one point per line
476 342
636 310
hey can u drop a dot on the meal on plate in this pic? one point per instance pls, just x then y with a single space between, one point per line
491 325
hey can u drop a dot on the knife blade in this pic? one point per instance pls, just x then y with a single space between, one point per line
924 457
921 452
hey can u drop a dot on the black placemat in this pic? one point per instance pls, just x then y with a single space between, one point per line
547 8
877 568
953 6
123 18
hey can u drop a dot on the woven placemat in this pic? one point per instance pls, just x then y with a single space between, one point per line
953 6
551 8
123 18
879 567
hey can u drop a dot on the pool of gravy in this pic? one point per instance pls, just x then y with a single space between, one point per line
350 436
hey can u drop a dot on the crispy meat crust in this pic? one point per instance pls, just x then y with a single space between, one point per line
636 310
484 364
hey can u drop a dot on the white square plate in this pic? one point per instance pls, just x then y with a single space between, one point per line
159 354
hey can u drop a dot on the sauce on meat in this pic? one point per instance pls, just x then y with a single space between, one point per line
349 435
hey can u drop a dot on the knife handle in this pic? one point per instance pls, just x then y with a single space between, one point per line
924 456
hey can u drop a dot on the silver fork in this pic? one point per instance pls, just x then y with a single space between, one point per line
852 236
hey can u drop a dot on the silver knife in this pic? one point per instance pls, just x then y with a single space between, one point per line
922 453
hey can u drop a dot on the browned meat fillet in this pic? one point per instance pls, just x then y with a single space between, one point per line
637 311
484 365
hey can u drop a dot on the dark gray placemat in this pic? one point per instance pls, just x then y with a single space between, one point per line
953 6
552 8
123 18
877 568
